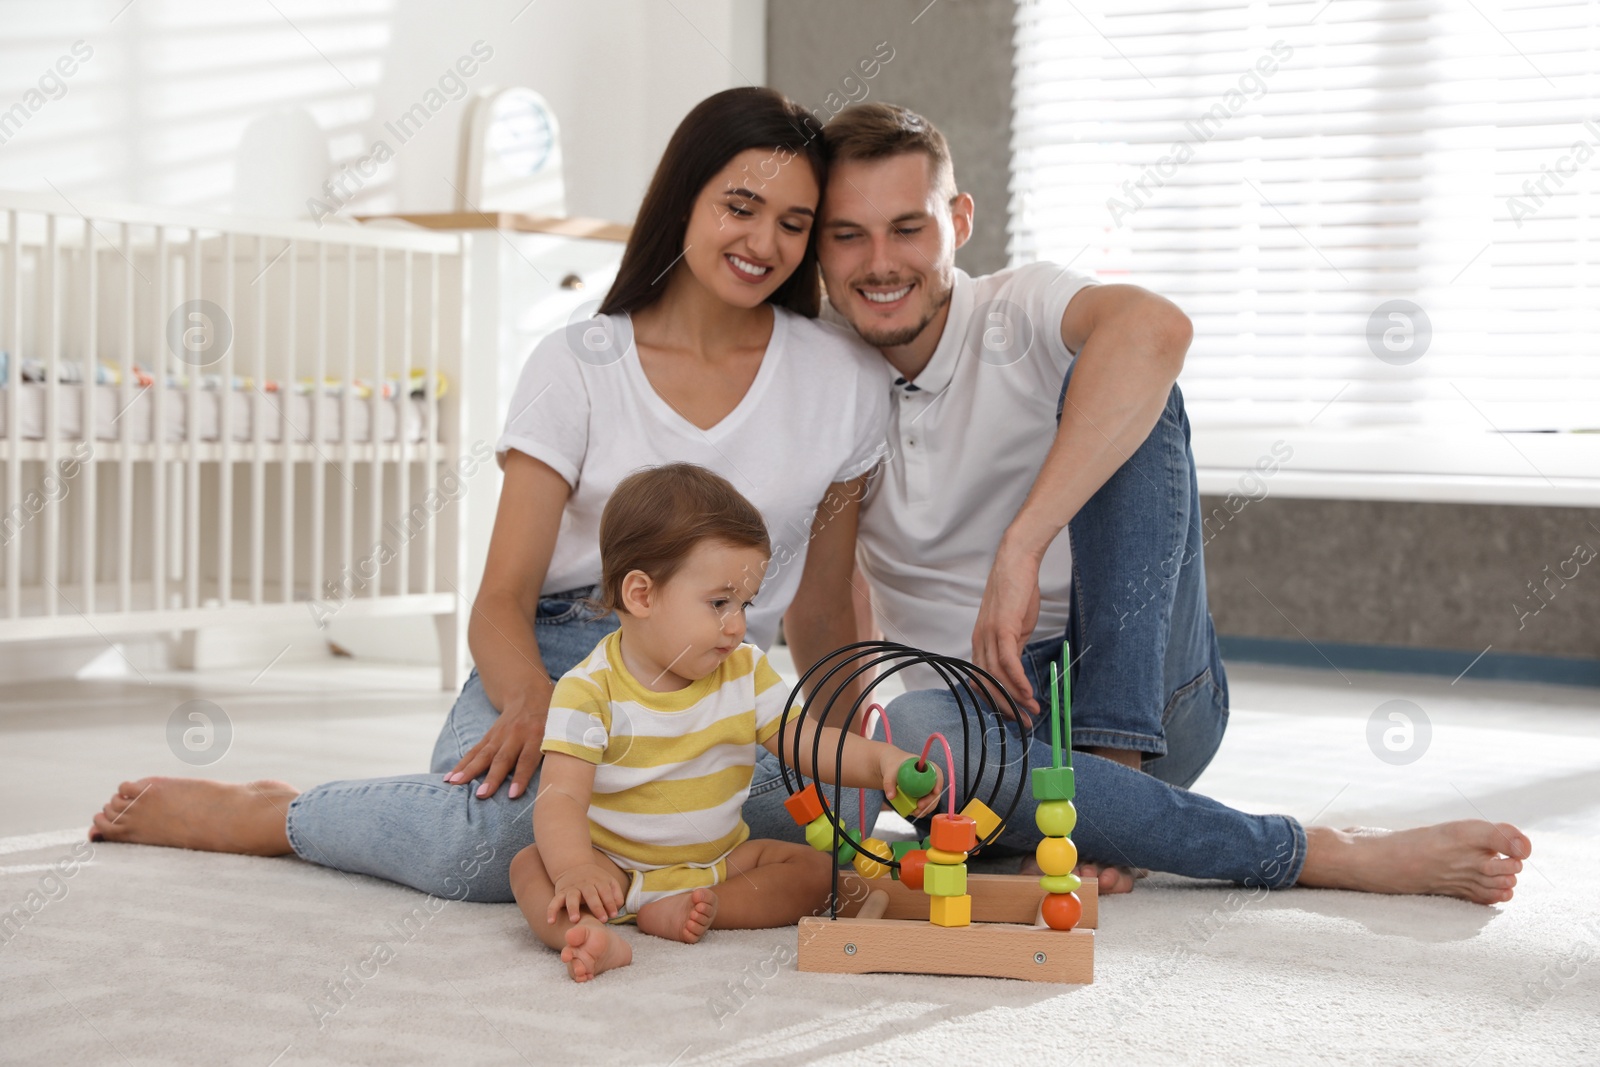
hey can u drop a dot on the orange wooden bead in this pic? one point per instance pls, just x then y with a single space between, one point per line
805 806
911 865
954 833
1062 910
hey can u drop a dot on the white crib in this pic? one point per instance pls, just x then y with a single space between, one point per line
159 476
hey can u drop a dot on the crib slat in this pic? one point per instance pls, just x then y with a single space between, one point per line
318 539
91 392
49 276
125 463
191 497
258 409
158 433
347 498
225 434
430 415
287 433
402 410
375 436
13 410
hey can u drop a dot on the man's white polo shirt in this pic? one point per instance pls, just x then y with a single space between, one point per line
966 440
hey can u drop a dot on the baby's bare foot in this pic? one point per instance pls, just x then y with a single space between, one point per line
592 949
1109 879
683 917
199 814
1471 859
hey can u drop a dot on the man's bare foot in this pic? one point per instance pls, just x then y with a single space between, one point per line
683 917
1109 879
1471 859
593 948
199 814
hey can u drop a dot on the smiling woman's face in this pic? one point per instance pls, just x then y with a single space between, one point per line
750 225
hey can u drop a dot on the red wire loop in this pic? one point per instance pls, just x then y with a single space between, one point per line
949 764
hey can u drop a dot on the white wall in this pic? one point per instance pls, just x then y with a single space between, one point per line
156 112
161 92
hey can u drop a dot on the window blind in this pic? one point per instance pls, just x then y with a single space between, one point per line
1376 213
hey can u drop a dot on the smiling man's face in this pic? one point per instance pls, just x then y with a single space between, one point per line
889 234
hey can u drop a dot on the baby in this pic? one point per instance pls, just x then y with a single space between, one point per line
650 743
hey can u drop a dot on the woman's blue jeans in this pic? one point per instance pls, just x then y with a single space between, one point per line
1146 676
420 831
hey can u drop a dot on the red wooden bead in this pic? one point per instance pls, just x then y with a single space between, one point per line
1062 910
804 806
911 865
954 833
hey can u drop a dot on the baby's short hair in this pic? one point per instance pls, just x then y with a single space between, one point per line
657 515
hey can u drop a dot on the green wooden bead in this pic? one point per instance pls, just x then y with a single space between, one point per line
1060 883
903 802
913 782
847 852
1056 818
1053 783
945 879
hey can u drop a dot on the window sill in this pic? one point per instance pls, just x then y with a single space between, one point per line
1561 470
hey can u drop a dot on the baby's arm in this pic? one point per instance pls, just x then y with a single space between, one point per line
561 834
867 764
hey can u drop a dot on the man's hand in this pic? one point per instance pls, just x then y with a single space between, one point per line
587 884
1006 618
510 747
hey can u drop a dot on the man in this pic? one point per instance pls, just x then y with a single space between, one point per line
1036 401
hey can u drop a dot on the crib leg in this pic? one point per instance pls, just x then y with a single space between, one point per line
452 631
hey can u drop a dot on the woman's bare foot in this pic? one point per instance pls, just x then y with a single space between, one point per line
1109 879
593 948
684 917
199 814
1471 859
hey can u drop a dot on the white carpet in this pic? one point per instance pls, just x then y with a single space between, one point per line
158 956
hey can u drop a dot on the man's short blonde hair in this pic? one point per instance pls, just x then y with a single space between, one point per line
878 131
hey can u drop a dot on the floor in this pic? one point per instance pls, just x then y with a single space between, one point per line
1297 741
1300 742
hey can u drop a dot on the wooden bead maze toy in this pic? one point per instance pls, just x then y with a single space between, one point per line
912 907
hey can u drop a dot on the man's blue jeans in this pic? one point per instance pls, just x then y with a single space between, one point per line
1147 676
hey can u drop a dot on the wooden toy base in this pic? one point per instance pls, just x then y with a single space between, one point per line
1000 943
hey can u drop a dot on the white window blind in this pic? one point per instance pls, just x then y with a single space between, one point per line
1284 170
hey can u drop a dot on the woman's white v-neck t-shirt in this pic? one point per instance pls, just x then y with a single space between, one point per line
816 413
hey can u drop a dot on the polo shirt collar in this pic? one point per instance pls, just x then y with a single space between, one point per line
942 367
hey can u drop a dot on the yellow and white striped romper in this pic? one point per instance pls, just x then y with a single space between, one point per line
672 770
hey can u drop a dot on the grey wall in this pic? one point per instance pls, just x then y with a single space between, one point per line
1426 576
1434 576
952 65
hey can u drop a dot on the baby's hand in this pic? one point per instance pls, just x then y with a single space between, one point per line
586 884
890 769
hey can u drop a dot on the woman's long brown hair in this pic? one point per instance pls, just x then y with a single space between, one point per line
719 128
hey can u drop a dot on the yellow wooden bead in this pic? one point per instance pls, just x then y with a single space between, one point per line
950 911
865 865
983 815
939 855
1057 855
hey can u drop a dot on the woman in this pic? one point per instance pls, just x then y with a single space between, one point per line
706 350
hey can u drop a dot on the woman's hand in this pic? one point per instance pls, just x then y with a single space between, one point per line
510 747
587 884
889 770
